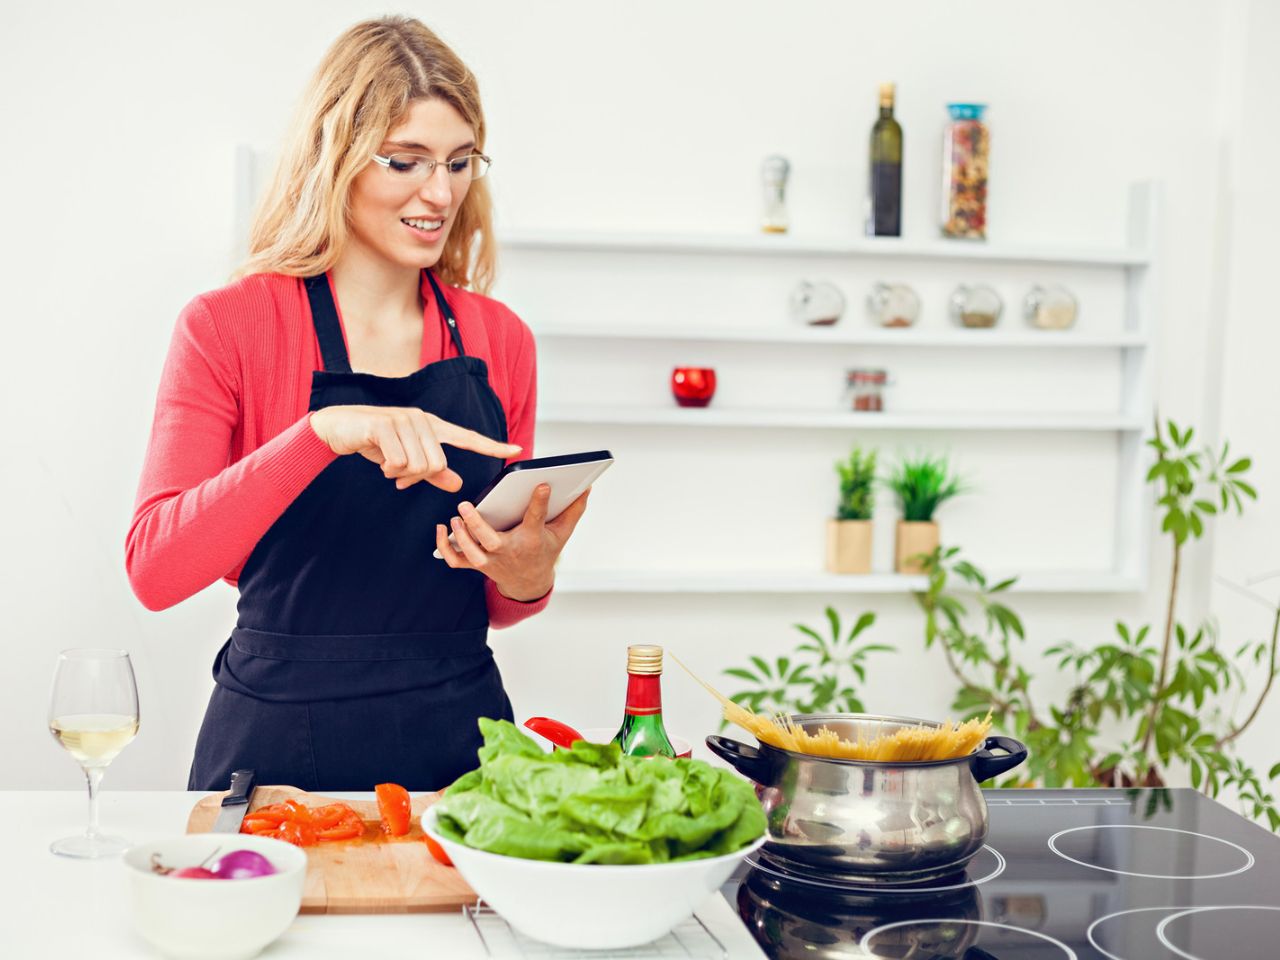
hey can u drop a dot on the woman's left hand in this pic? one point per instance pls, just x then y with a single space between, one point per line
521 562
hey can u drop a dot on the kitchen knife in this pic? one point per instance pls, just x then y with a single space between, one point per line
236 803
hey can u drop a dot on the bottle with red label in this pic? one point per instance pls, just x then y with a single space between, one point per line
642 733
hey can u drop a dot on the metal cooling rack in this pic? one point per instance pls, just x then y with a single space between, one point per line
690 940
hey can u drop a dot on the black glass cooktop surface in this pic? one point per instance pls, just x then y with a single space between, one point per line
1066 875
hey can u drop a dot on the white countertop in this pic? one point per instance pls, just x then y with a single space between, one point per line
55 907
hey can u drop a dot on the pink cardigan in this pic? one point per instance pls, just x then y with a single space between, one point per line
231 445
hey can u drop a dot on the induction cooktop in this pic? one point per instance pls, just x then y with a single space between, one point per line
1144 874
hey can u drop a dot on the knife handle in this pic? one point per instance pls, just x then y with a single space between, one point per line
241 787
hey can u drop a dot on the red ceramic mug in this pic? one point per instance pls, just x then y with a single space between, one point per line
693 386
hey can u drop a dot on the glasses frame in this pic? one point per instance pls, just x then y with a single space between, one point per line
432 163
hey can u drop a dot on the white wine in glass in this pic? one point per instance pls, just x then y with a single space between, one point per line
93 713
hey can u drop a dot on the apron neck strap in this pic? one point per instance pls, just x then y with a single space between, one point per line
446 312
324 315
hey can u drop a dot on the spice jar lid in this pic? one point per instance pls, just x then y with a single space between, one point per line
644 658
966 111
866 376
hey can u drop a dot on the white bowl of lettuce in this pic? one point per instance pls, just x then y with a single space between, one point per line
588 849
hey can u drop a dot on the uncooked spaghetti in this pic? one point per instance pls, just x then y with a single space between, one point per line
918 744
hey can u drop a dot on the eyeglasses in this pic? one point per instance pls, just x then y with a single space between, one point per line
416 168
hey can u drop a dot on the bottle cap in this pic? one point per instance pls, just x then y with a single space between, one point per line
886 94
644 658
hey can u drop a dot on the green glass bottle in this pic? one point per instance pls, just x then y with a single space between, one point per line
884 192
642 733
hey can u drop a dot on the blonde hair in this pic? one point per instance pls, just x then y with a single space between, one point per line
363 87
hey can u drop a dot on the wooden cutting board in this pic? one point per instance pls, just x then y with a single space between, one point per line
374 875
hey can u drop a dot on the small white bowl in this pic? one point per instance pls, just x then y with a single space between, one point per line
592 906
195 919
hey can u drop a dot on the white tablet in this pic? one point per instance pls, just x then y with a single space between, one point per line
503 502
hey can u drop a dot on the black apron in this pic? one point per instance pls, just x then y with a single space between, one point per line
358 658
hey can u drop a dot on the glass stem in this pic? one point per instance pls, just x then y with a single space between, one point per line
94 777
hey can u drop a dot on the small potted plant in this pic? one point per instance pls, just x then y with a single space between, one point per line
921 486
849 533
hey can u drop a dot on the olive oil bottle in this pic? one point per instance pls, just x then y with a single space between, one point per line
884 190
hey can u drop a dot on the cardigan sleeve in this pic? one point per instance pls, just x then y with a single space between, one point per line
522 405
197 515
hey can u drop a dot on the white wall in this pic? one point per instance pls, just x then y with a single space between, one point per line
1246 556
670 107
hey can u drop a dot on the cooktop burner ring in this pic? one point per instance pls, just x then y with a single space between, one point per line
1248 857
845 886
1187 911
1093 940
863 944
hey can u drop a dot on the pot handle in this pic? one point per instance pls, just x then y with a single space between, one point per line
986 764
747 760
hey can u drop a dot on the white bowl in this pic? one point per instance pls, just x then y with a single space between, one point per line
593 906
195 919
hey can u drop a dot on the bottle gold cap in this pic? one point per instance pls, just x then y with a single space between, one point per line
644 658
886 94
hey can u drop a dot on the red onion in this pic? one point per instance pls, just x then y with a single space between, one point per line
242 865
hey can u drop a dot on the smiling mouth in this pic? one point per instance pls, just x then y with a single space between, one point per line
427 225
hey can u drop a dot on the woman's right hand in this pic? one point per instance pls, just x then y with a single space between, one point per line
405 441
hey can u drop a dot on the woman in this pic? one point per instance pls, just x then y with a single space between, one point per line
322 423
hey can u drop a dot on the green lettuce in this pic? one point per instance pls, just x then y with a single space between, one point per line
592 804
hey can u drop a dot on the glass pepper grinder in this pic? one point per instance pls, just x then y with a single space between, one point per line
774 175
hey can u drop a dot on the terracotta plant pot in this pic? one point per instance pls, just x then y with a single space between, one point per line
914 538
849 546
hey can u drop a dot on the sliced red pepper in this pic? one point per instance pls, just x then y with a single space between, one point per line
300 811
298 833
258 825
348 827
394 807
275 812
437 851
330 815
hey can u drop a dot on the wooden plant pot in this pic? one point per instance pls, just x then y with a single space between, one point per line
849 546
914 538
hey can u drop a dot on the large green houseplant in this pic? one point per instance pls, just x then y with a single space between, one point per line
1178 698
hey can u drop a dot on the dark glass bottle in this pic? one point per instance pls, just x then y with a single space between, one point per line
642 733
884 194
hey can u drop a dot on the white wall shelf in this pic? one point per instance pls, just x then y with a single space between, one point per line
852 336
785 582
834 419
1125 345
775 245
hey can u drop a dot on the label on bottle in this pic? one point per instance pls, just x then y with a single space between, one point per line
644 694
886 199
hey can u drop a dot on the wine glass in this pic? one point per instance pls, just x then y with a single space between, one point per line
93 713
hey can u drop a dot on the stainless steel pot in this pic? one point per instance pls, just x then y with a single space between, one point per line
881 822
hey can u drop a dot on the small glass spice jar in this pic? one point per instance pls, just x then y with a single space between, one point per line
773 176
893 305
976 306
865 389
1052 307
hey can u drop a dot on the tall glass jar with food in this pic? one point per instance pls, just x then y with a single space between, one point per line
966 146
